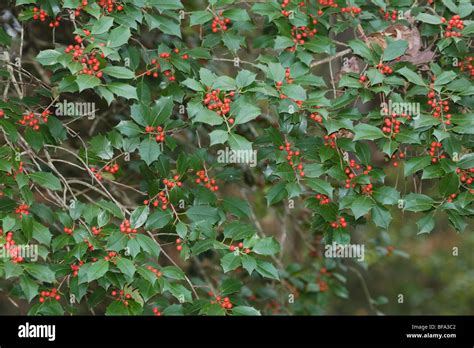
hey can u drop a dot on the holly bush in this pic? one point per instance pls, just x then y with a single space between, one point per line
195 157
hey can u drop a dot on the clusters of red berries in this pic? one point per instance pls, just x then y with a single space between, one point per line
21 210
15 172
156 311
467 176
75 268
390 16
121 296
329 3
179 245
154 270
203 178
367 189
223 302
323 285
39 14
293 158
285 4
219 101
439 108
354 10
323 199
303 33
96 231
172 183
90 247
239 246
158 132
330 140
125 227
97 173
340 223
220 22
110 255
10 246
462 66
436 151
391 125
400 155
316 117
112 169
350 172
89 61
384 69
454 23
30 120
161 197
53 294
451 197
68 230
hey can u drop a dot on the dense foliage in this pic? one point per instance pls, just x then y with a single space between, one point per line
114 113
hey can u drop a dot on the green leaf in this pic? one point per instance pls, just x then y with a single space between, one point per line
386 195
381 217
29 287
41 272
126 267
165 24
276 193
46 180
218 137
320 186
449 184
208 117
149 150
248 263
97 270
123 90
267 270
426 224
48 57
361 206
418 202
139 216
266 246
118 37
367 132
87 81
427 18
118 72
416 164
395 49
202 213
230 262
411 76
102 25
245 310
158 219
244 78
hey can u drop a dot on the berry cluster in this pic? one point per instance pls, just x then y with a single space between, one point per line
155 201
96 231
390 16
172 183
110 255
121 296
219 101
462 66
330 140
436 151
239 246
292 157
220 22
316 117
68 230
340 223
21 210
154 270
400 155
454 23
39 14
30 120
367 189
97 173
112 169
391 125
156 311
451 197
384 69
10 246
467 176
179 246
323 199
125 227
354 10
329 3
158 132
301 34
350 172
90 247
203 178
90 62
323 285
285 4
53 294
223 302
75 268
439 107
